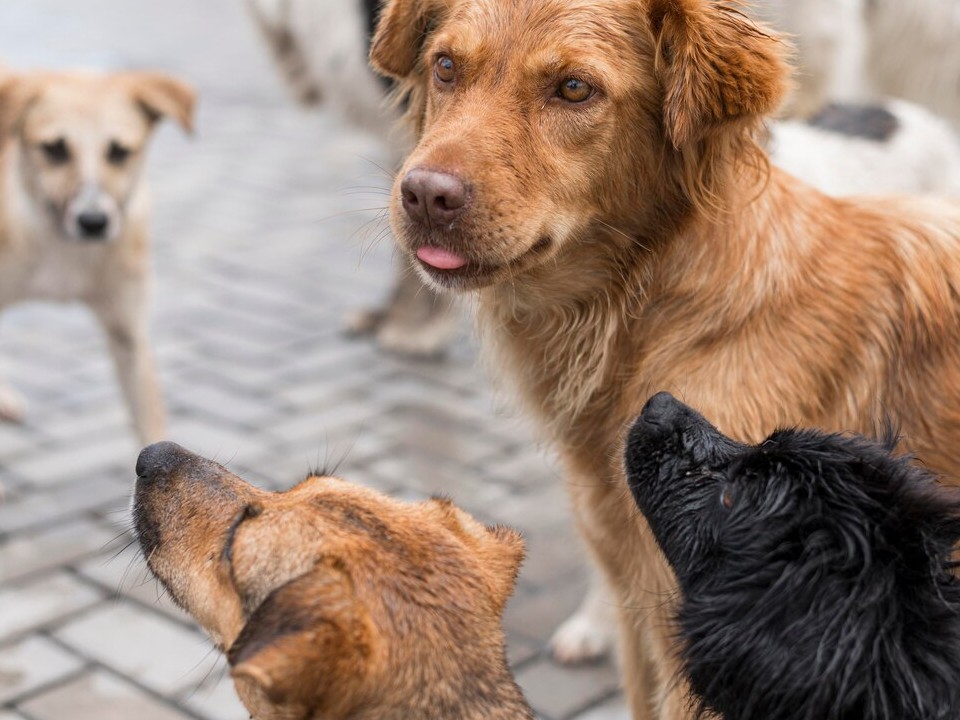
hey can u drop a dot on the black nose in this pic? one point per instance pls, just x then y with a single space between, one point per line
663 410
160 459
93 223
434 198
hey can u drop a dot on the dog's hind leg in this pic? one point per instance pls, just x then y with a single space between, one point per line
125 322
590 633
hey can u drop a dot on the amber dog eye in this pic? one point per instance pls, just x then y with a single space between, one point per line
117 154
575 90
56 151
445 69
726 497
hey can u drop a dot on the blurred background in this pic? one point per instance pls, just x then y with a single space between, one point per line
266 231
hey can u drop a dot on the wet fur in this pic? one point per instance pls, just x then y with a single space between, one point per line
816 570
676 258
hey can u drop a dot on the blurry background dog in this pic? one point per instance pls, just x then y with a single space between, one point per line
320 48
860 50
74 210
333 601
815 570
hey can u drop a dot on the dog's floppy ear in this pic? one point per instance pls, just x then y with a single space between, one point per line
161 95
716 66
16 94
401 32
309 644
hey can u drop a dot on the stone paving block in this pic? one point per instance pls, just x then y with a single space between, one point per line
40 550
216 698
614 709
76 496
562 692
76 461
97 695
144 646
33 663
30 605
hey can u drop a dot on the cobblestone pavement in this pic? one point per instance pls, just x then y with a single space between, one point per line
265 230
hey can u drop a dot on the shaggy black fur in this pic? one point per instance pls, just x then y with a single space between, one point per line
815 570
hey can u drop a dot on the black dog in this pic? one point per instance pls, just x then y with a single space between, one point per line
815 570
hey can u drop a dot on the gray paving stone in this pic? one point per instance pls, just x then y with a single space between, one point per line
31 605
41 550
143 646
31 664
615 709
561 692
97 695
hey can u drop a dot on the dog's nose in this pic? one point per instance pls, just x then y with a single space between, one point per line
433 197
160 459
662 410
93 223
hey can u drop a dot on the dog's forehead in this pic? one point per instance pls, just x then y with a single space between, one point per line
90 106
552 30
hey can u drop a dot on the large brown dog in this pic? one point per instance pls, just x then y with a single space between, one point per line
332 601
589 167
74 209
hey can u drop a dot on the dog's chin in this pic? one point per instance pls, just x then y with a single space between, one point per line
476 273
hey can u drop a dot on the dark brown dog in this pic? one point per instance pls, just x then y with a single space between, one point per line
332 601
590 168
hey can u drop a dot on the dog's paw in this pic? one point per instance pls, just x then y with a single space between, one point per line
365 321
584 637
429 340
12 406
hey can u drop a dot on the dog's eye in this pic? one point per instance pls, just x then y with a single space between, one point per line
117 154
445 69
726 496
575 90
56 151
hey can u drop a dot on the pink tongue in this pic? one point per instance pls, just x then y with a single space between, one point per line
440 258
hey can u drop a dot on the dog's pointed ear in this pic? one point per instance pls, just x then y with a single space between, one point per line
716 65
499 549
17 92
401 31
308 644
161 95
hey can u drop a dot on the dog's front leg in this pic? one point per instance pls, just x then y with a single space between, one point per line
591 632
11 404
125 323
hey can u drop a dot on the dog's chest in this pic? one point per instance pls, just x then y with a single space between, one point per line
56 272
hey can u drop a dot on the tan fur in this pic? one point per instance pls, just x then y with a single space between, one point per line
332 601
42 256
640 242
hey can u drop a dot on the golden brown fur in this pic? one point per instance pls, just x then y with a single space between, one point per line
70 144
332 601
639 242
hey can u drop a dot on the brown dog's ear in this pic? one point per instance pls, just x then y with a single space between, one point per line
16 95
401 32
164 96
505 561
716 65
308 644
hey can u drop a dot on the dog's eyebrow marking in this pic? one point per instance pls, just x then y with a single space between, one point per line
249 511
868 122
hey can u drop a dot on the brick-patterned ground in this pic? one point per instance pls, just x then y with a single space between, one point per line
260 246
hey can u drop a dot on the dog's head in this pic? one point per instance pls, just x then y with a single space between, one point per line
328 598
542 122
815 569
81 141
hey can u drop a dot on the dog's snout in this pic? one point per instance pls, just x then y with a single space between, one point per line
433 197
93 223
662 410
160 459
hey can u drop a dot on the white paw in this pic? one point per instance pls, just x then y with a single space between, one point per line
12 407
429 340
363 322
586 636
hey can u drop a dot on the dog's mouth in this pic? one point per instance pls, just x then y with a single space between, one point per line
451 268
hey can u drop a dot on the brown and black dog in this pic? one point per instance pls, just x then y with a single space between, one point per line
332 601
589 169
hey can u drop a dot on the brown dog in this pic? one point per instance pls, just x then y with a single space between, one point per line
589 168
331 600
74 209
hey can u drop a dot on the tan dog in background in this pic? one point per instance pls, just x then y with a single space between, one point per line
74 209
590 170
332 601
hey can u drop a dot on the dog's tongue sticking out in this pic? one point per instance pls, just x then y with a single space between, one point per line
439 258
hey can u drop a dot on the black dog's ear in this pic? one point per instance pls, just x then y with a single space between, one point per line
309 644
401 33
